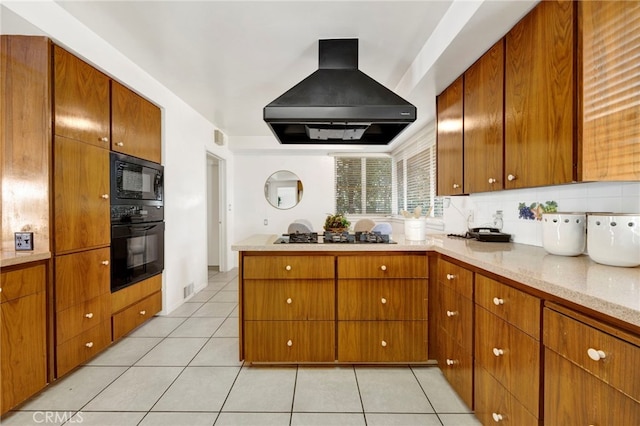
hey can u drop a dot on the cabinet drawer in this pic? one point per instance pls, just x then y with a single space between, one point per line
22 282
514 306
128 319
382 341
456 277
289 341
289 300
81 317
391 299
511 356
78 349
456 313
383 266
456 364
82 276
493 403
576 341
282 267
134 293
596 403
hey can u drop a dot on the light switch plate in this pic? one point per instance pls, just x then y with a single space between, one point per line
24 241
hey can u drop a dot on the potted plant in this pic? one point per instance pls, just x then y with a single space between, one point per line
337 223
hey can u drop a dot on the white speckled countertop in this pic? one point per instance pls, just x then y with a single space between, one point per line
610 290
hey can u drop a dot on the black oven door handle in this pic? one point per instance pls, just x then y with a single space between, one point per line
141 228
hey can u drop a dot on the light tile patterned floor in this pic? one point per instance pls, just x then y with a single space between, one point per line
183 369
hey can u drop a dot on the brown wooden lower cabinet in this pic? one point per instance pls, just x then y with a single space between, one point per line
456 364
382 341
289 341
136 314
82 347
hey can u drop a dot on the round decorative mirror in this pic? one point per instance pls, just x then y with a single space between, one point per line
283 189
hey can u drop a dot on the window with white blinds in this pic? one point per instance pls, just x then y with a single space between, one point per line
416 173
363 185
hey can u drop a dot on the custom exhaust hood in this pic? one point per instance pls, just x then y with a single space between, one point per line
338 104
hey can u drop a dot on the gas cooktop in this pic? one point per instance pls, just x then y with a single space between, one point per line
335 238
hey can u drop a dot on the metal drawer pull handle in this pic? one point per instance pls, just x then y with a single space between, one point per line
450 276
596 354
496 417
105 262
383 300
289 301
289 343
497 301
288 267
498 352
452 313
384 344
143 312
383 267
451 361
89 344
89 315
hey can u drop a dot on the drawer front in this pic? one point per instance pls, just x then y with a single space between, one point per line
514 306
494 404
456 364
391 299
134 293
283 267
383 266
22 282
82 317
596 403
289 300
82 276
382 341
510 355
130 318
79 349
576 341
289 341
456 277
456 317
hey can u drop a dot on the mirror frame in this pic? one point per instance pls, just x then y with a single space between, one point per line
290 181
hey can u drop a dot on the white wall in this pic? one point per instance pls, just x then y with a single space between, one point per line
187 137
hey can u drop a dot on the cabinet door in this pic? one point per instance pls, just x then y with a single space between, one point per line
135 125
539 97
610 41
449 139
457 366
81 276
81 101
572 396
81 203
483 122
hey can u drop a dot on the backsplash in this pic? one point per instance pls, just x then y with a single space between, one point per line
521 207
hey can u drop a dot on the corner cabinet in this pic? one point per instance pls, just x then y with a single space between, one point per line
324 307
449 108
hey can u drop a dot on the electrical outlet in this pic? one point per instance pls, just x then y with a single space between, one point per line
266 222
24 240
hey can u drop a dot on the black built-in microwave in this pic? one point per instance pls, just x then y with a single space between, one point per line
136 181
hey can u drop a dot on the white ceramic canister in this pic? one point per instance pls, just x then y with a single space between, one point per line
415 229
564 234
614 239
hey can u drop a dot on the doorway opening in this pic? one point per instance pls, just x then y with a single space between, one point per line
216 217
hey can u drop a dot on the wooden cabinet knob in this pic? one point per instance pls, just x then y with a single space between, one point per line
288 267
105 196
511 178
498 301
452 313
383 301
383 267
120 144
498 352
289 343
143 312
450 276
596 354
88 315
289 301
105 262
104 139
497 417
89 344
383 344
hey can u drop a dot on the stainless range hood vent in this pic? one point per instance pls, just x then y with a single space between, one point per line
338 104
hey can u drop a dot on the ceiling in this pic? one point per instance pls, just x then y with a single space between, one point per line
228 59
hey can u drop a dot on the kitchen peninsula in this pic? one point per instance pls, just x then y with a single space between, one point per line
510 325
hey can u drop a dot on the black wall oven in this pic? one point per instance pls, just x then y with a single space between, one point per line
137 220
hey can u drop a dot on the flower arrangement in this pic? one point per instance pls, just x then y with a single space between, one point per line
336 222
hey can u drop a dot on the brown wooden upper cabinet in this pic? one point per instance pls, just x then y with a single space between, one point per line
135 125
484 123
609 94
81 100
449 107
539 98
